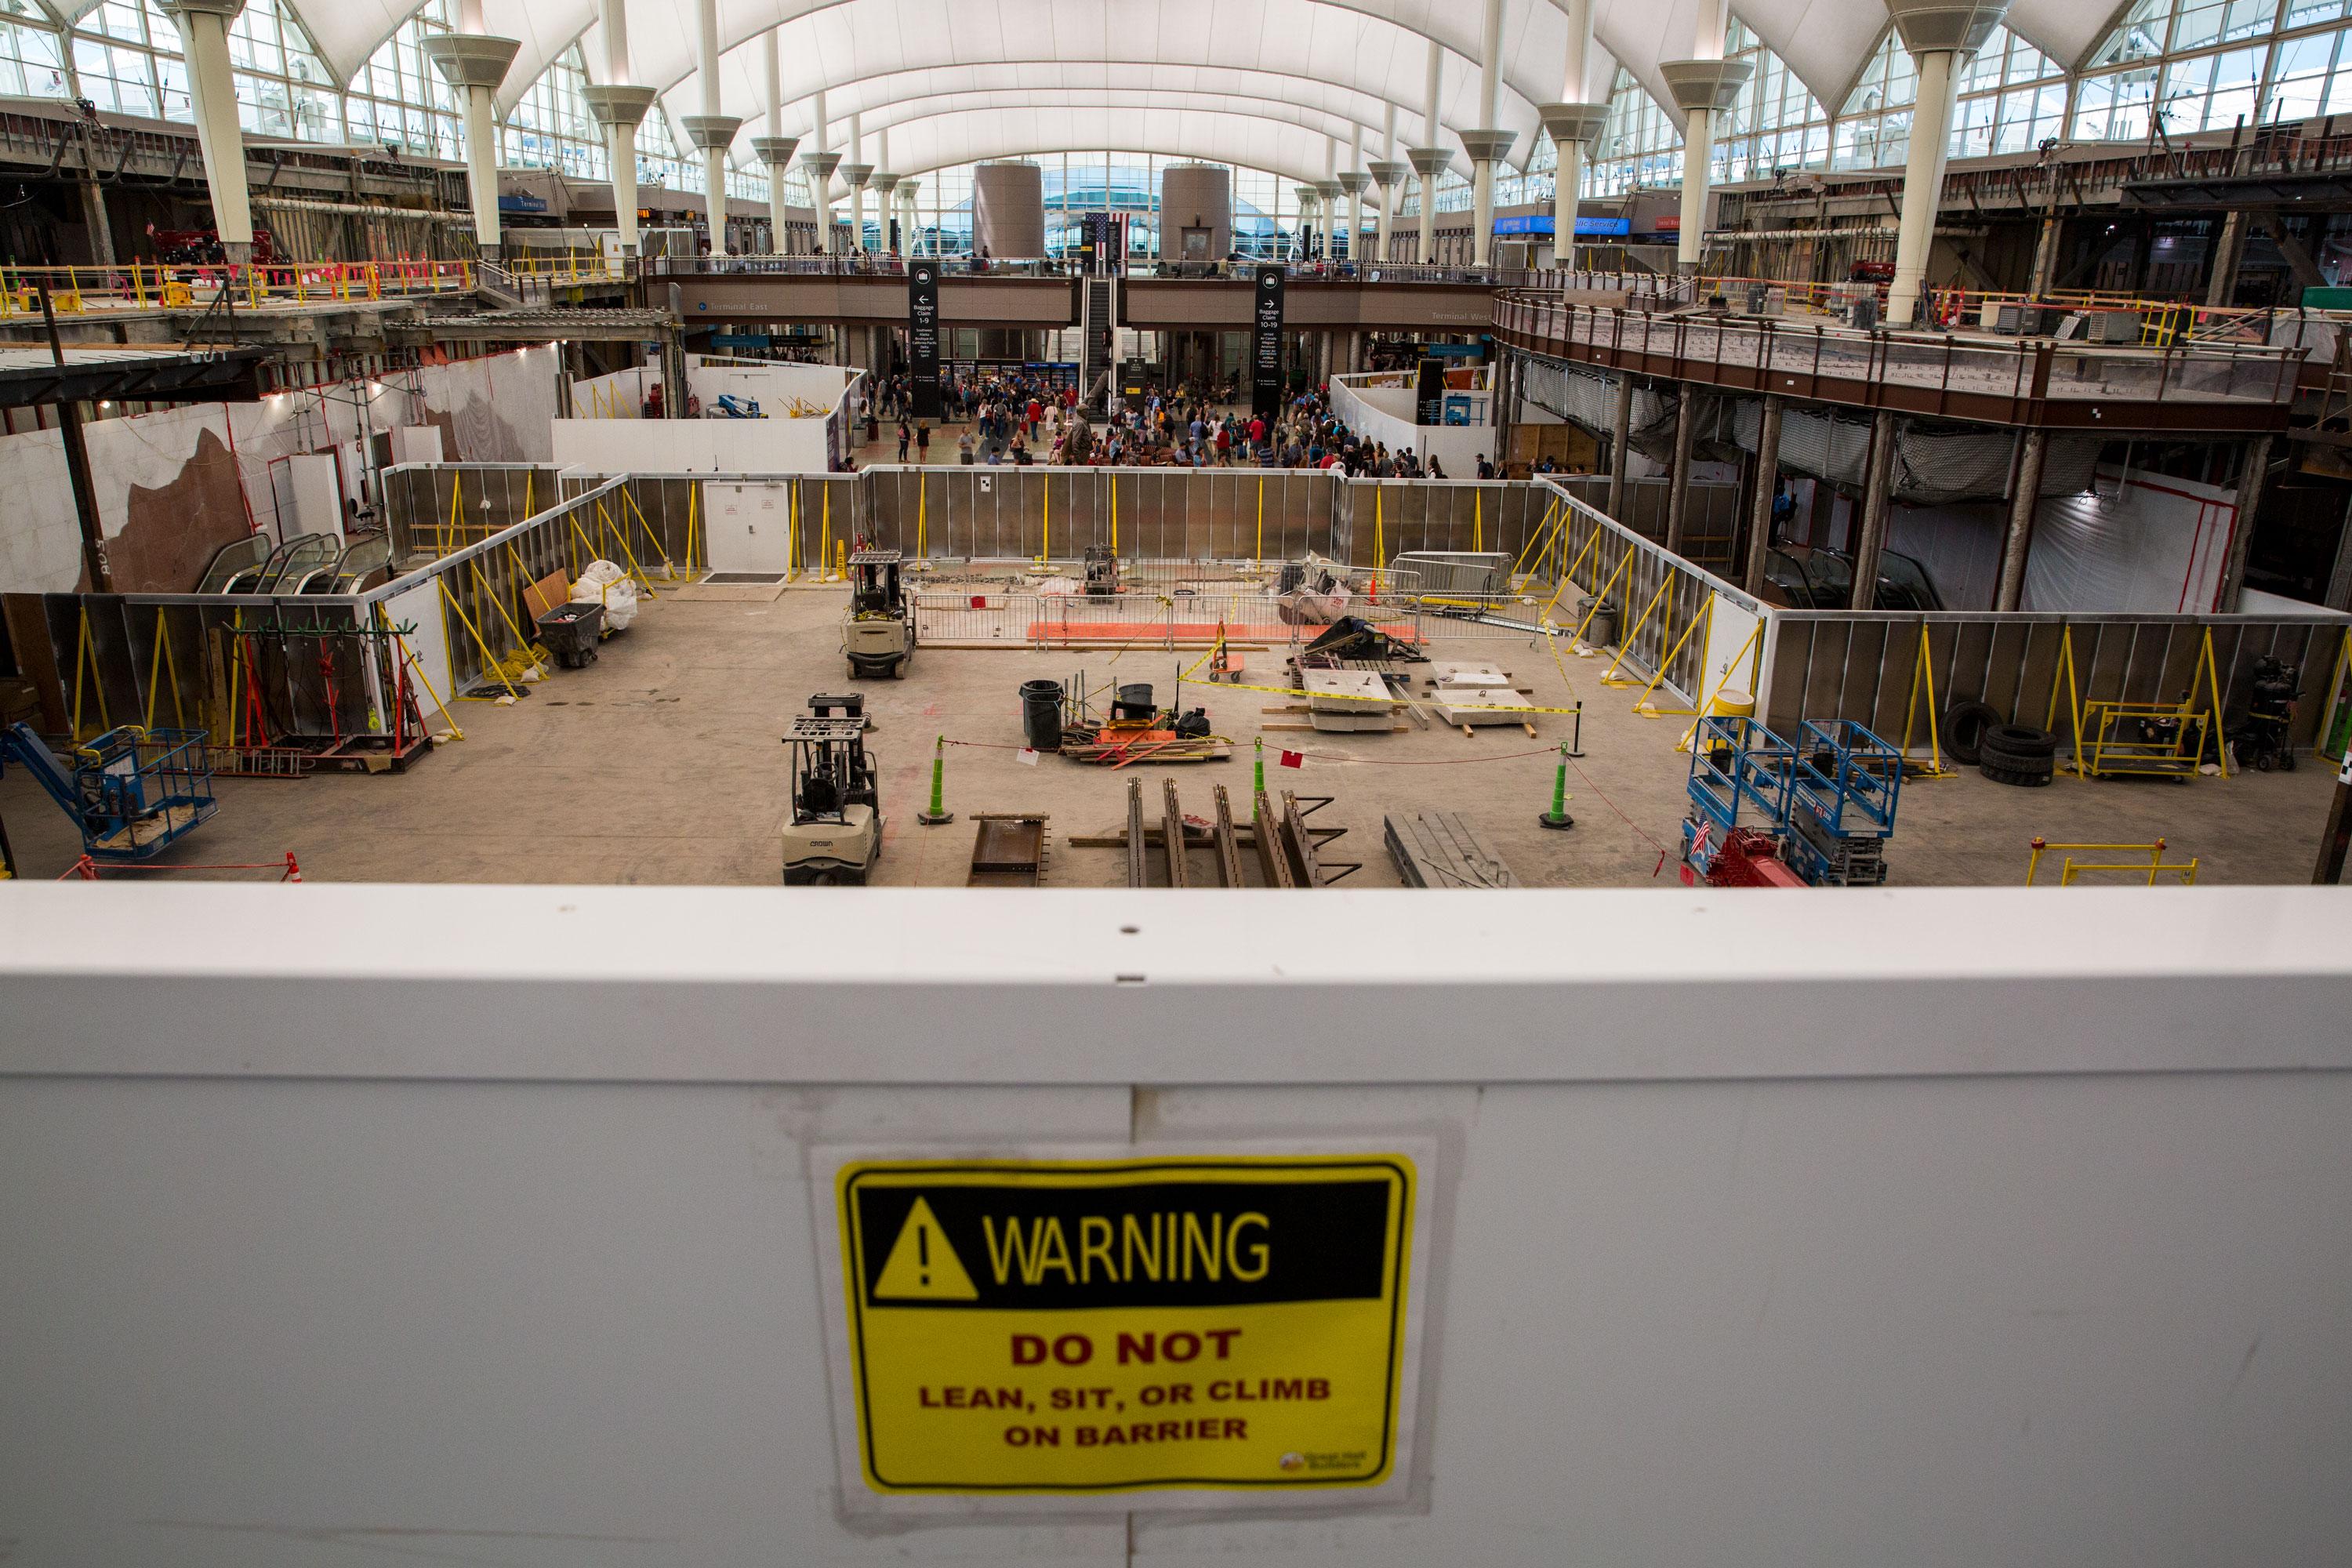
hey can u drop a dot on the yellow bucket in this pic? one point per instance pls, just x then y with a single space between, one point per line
1732 703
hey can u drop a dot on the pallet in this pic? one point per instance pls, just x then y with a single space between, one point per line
1439 849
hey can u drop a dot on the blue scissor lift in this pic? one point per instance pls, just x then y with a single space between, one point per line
1741 776
130 791
1848 781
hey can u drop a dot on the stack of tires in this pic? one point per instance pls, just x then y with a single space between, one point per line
2006 754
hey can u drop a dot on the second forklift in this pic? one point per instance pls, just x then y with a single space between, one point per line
878 637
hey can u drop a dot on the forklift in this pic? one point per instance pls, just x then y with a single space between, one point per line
879 635
835 831
1102 572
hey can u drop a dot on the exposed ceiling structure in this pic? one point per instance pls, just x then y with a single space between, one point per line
1265 81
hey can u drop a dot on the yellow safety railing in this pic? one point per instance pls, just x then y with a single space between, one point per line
2153 866
156 285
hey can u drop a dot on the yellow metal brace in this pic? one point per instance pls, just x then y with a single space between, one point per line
1665 581
1924 673
1641 703
490 660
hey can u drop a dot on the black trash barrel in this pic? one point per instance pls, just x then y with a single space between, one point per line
1041 714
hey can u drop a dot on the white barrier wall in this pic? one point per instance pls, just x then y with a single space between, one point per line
1942 1229
692 445
1378 406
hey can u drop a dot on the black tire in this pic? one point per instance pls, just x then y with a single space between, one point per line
2019 740
2018 777
1964 728
2010 762
2287 760
795 878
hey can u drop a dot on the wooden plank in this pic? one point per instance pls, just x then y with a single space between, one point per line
1008 850
1172 833
1135 873
1229 852
1272 860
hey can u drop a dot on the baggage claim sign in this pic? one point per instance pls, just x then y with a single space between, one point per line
1191 1324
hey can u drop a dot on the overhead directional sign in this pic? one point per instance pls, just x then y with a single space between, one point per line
1191 1324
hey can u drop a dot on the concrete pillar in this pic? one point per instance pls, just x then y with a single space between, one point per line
855 173
2229 251
93 217
1487 149
1941 37
1768 478
1704 88
2339 581
1309 199
1678 495
1621 440
1327 207
1428 162
909 189
2045 257
2252 471
212 95
1877 497
2017 537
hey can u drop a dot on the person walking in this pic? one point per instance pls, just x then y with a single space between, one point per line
923 443
906 438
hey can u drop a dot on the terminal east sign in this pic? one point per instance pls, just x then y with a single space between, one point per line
1197 1330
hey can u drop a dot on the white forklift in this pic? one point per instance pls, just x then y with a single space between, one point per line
879 635
835 831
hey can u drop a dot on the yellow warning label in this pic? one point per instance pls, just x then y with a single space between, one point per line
1172 1323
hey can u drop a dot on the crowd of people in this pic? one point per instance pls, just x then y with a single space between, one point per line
1024 418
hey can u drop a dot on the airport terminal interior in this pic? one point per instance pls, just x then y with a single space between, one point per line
662 470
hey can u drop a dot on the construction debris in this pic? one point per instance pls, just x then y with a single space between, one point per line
1288 851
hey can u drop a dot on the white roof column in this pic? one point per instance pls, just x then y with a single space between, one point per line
1391 174
1308 198
1352 180
710 131
1704 88
1487 143
883 182
1429 159
775 149
909 191
1573 125
1941 36
820 165
475 63
855 173
1703 85
1327 192
620 109
212 94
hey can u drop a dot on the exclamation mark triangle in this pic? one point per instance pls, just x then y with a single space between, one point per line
923 1266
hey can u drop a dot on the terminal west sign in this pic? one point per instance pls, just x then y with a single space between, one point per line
1196 1329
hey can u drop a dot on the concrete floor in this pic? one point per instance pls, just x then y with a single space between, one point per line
661 763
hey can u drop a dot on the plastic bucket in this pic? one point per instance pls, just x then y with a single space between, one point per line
1601 631
1733 704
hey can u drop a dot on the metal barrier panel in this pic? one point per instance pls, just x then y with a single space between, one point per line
1657 596
418 500
1866 666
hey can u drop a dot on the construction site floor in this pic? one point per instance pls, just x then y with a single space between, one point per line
661 763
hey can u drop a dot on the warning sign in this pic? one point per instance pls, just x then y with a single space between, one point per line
1187 1323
